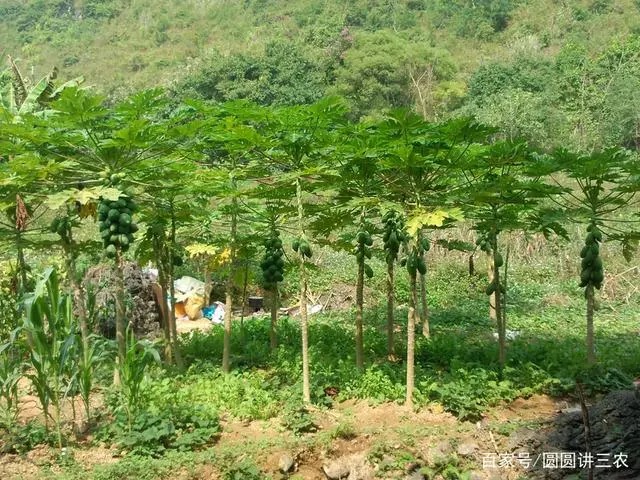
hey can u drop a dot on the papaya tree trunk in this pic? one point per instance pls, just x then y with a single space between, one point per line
304 321
591 351
424 311
163 300
226 352
359 314
499 311
120 313
390 311
492 297
22 264
273 337
245 281
411 338
172 289
472 266
173 323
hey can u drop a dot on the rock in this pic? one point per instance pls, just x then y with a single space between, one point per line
438 453
351 467
415 476
615 429
467 449
336 470
286 463
475 475
525 439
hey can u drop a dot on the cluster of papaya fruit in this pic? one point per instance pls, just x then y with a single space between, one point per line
592 268
364 241
272 264
302 246
394 235
484 243
62 226
110 179
415 259
116 224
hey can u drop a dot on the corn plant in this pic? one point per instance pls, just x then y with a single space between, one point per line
52 337
139 355
10 375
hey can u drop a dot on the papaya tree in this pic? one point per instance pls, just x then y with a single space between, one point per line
393 237
418 175
603 195
352 207
272 266
104 151
501 191
298 140
225 147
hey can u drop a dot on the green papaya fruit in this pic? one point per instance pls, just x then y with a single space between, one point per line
585 275
114 215
597 234
499 260
295 245
597 263
490 289
583 252
422 267
597 276
368 271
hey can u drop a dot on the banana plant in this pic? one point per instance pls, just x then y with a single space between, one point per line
19 97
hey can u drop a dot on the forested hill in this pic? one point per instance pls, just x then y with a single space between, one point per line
559 72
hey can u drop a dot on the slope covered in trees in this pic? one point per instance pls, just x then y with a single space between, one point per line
552 71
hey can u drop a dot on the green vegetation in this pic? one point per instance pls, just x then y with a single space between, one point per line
349 141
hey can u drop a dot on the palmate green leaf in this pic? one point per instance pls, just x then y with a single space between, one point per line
421 218
87 195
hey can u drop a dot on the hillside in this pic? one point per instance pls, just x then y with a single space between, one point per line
505 61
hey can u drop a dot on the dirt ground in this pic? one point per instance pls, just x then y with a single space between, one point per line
387 428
